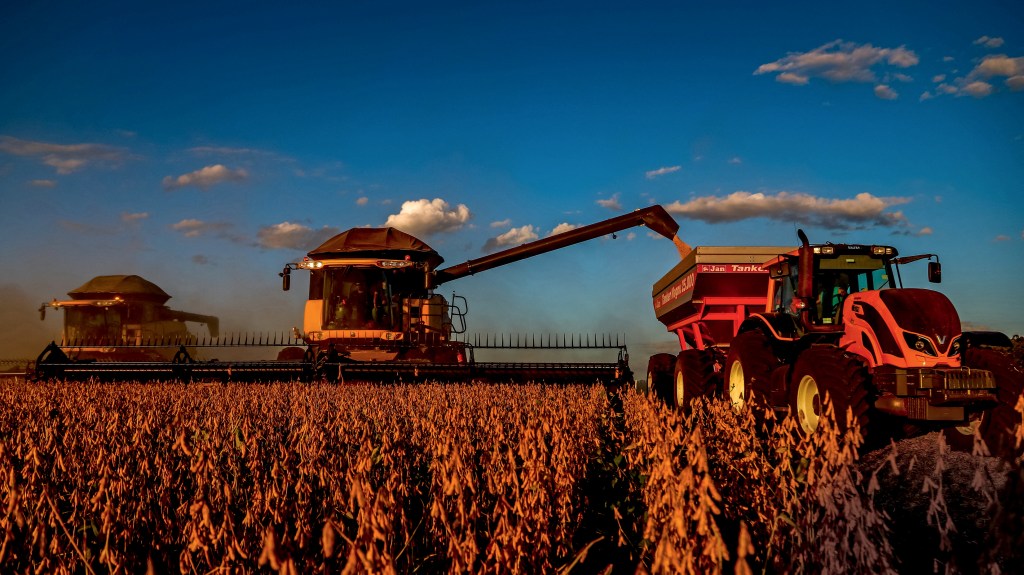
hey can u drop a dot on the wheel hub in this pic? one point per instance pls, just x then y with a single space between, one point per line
737 385
680 396
808 404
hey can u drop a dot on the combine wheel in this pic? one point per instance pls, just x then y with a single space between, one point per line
693 377
827 369
748 369
998 424
659 374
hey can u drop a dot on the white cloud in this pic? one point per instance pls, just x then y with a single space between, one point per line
426 217
989 42
979 81
885 92
939 78
838 61
127 217
193 228
502 223
792 78
288 235
611 203
513 237
735 160
228 151
1002 238
651 174
43 183
65 158
206 177
362 201
978 89
925 231
864 210
562 228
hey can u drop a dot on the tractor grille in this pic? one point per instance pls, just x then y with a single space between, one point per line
957 379
904 382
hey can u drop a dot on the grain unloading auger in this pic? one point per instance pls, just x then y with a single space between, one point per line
372 314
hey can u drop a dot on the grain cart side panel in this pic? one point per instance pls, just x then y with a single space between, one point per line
705 297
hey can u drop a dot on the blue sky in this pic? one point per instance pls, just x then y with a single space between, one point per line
203 145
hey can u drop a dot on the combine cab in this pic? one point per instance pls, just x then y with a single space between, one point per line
791 325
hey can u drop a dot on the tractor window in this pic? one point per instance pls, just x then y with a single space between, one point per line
870 280
785 290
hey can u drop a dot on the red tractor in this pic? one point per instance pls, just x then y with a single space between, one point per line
781 332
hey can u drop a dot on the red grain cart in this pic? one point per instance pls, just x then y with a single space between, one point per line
703 300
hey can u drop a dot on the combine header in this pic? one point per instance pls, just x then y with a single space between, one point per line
781 327
372 314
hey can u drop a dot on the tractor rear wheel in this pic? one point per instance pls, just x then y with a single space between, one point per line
829 370
659 374
693 377
748 370
998 424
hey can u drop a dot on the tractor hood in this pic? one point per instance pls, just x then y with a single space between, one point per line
924 312
387 243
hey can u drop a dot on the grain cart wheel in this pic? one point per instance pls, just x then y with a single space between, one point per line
693 377
659 374
748 369
830 370
998 424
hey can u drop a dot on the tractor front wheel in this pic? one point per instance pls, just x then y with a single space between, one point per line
997 425
829 370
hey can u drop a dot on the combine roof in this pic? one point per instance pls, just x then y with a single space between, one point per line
388 243
129 287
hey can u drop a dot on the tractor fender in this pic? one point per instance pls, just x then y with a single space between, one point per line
991 339
778 326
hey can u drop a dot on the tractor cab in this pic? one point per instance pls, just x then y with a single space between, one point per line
836 271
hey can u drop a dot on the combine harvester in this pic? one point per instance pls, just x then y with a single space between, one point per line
780 327
372 314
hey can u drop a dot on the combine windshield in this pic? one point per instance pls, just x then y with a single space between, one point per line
93 324
366 297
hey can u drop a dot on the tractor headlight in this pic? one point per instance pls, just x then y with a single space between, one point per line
919 343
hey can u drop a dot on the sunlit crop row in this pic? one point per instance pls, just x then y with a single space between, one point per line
127 478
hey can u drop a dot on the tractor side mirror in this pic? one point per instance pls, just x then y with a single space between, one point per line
286 278
935 272
779 270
